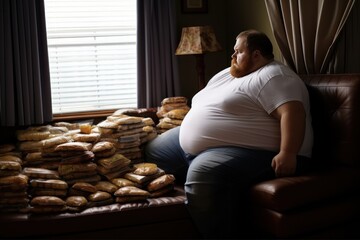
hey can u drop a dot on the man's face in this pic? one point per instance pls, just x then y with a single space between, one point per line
241 62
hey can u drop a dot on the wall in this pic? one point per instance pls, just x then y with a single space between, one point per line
228 17
215 17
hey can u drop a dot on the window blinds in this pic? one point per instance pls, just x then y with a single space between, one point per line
92 54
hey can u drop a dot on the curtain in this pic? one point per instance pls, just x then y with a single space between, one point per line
25 95
156 44
306 31
346 58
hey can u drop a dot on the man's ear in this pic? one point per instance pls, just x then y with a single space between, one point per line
256 53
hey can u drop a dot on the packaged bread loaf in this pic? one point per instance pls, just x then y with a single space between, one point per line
76 203
106 186
130 194
48 183
160 182
74 146
82 189
145 169
5 148
100 198
41 173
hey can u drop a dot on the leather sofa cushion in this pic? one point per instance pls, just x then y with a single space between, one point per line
329 214
283 194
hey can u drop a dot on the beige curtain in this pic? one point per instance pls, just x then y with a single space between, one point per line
346 57
306 30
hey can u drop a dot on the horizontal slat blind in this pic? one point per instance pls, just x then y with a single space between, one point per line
92 54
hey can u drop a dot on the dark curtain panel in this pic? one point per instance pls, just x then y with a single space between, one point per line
25 94
346 58
157 66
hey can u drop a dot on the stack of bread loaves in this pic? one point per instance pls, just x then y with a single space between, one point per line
46 190
148 129
77 164
13 184
38 145
70 167
146 180
171 113
127 134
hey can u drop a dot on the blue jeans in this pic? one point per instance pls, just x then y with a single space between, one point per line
216 181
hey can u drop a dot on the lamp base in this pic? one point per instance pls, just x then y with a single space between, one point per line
200 68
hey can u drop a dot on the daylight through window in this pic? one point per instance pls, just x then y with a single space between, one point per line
92 54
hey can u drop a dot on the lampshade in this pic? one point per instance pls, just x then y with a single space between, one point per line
197 40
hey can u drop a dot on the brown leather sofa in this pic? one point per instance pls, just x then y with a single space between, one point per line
323 204
326 202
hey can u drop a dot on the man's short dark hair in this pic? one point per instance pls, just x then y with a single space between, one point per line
256 40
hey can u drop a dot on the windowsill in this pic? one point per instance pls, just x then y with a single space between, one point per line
75 116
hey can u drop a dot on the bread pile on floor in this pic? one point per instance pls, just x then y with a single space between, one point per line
171 113
71 167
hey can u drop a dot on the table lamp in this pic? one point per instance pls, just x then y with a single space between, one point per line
197 41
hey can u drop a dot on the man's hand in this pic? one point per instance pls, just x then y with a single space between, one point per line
284 164
292 127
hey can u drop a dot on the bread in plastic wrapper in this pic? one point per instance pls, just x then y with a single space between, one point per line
131 194
113 161
106 186
106 153
81 157
77 175
7 147
47 201
10 165
162 191
51 142
30 135
83 137
69 126
90 179
176 122
74 146
76 203
101 146
107 124
39 209
145 169
160 182
84 186
79 167
140 179
40 173
11 158
48 192
178 113
49 183
100 203
99 196
131 191
20 180
123 182
175 99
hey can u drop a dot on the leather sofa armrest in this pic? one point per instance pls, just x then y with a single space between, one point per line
287 193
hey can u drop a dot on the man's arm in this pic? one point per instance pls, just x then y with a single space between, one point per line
292 126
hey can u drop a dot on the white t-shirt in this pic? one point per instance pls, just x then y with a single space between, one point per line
236 111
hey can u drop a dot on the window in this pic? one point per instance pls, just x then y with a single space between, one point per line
92 54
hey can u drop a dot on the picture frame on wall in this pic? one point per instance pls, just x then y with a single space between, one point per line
194 6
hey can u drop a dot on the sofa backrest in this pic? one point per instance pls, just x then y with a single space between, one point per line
335 109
